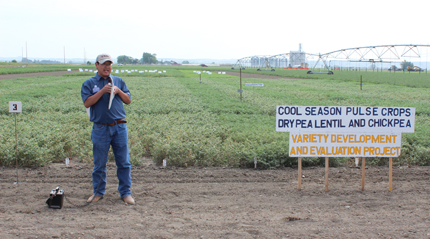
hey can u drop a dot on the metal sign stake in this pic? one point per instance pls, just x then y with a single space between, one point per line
16 152
16 107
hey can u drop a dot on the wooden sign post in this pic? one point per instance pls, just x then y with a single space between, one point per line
363 172
390 175
326 174
300 173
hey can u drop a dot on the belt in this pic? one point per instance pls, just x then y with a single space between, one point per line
120 121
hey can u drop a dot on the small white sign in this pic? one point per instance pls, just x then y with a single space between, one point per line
254 84
15 107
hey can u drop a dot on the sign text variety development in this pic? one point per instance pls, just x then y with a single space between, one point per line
345 145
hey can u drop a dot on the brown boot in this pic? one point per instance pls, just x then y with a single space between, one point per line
94 198
128 200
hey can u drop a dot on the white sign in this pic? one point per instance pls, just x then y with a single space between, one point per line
254 84
345 145
338 119
15 107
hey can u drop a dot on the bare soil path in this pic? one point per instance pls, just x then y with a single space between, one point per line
34 74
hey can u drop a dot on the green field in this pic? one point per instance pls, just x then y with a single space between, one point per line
406 78
172 116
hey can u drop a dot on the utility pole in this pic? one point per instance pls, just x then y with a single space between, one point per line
64 54
26 52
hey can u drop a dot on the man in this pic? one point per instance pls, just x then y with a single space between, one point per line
109 127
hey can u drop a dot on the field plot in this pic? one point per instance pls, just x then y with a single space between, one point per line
369 77
176 117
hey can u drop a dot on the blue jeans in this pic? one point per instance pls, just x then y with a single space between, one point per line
103 137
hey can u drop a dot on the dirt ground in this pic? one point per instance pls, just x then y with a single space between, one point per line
218 203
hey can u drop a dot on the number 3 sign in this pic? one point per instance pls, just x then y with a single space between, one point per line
15 107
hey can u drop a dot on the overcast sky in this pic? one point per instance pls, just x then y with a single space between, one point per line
216 29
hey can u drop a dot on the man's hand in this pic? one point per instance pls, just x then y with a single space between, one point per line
107 88
94 98
124 97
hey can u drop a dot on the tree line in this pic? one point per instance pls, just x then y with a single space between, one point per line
147 58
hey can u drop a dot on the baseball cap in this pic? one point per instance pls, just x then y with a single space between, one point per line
102 58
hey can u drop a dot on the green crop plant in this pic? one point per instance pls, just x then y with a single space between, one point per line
198 120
